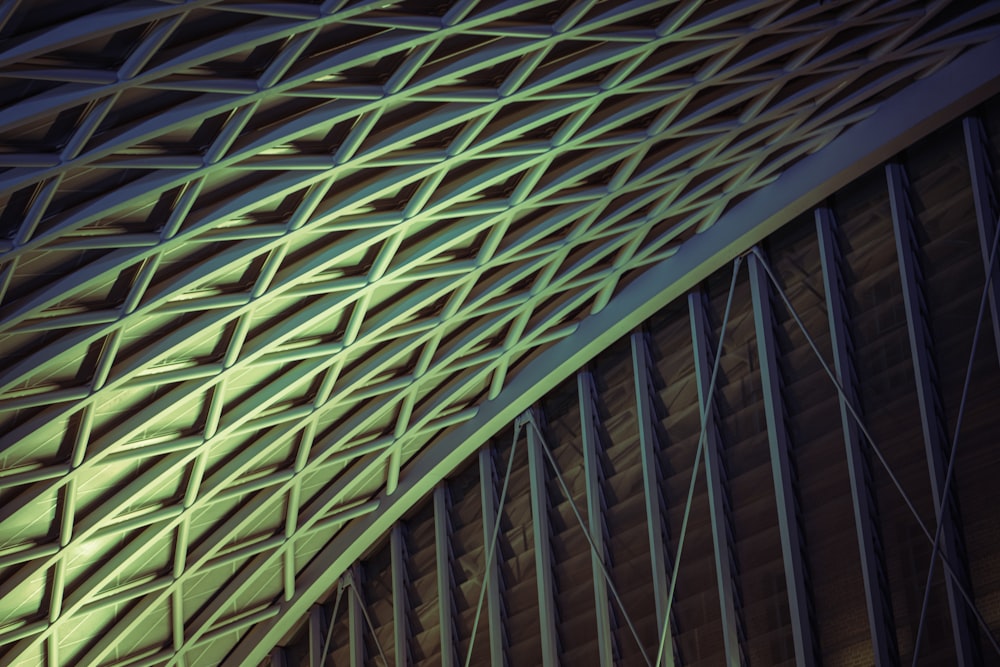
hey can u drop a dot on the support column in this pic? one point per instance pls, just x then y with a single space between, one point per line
718 490
442 553
494 581
400 626
356 618
877 596
783 470
541 532
932 420
648 447
317 623
589 422
984 192
277 657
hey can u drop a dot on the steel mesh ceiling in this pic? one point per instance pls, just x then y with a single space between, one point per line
255 256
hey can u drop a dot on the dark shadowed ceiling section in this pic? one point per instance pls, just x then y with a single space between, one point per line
256 257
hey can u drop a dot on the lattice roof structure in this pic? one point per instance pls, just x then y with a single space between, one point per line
261 262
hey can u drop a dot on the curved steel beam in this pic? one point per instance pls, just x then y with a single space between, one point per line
901 120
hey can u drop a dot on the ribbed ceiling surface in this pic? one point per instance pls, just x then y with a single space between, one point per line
254 256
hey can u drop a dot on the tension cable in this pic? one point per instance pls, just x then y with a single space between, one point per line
871 442
493 542
697 459
954 447
590 539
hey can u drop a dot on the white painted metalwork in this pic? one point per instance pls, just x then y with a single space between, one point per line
730 605
878 600
947 490
442 552
597 553
651 476
493 579
400 604
933 424
316 635
258 259
984 192
955 574
782 468
542 533
902 118
355 618
593 469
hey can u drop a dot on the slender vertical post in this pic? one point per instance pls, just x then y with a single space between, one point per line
494 582
651 476
277 657
399 602
877 597
932 421
442 552
595 513
984 193
718 492
316 634
356 618
543 549
783 470
52 651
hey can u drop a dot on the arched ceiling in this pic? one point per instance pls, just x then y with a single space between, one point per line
256 257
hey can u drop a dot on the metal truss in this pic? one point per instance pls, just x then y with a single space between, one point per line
256 258
900 121
878 598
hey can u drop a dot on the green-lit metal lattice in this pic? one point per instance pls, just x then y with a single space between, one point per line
255 256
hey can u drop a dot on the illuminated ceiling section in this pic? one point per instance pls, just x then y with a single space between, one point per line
254 257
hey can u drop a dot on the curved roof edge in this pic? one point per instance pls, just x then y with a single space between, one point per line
899 121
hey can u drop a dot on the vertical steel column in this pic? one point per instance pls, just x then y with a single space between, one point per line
783 470
541 532
442 553
356 618
316 635
493 582
400 626
877 597
984 193
277 657
595 513
936 444
651 476
718 491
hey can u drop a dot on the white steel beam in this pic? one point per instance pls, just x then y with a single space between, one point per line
898 121
932 418
984 193
414 429
356 618
878 600
718 486
317 632
335 490
651 477
783 470
442 553
542 534
593 469
493 579
400 604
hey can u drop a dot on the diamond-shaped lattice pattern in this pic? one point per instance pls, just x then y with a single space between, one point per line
253 255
